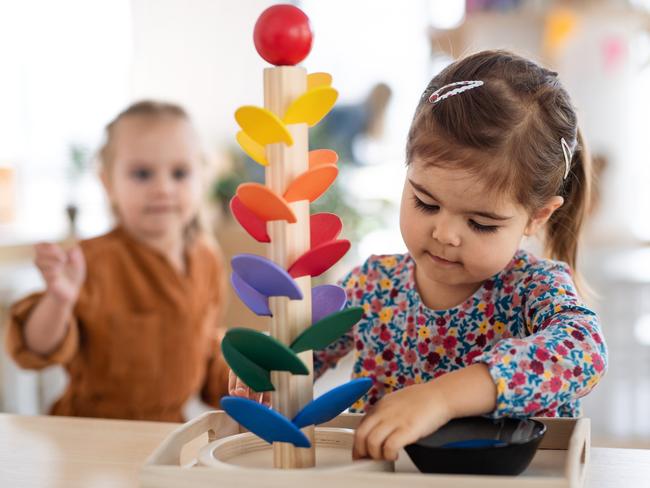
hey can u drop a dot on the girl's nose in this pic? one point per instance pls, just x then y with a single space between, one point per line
164 184
444 232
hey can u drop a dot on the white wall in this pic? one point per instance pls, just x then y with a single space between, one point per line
63 73
614 110
199 54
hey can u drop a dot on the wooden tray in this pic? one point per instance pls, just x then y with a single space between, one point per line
561 462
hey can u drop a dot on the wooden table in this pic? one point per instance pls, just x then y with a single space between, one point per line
63 452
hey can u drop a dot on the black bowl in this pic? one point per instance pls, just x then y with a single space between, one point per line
478 445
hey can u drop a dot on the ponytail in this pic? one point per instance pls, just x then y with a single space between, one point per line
565 225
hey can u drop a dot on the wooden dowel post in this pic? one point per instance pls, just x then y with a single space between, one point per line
289 241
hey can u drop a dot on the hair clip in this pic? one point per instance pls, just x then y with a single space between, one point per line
566 150
436 96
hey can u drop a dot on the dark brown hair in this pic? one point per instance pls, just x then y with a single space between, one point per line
153 110
508 133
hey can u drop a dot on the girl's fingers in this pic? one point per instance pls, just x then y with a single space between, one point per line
242 390
399 438
266 398
232 381
50 271
256 396
240 387
359 449
50 275
75 256
48 265
50 250
46 260
237 387
376 438
42 248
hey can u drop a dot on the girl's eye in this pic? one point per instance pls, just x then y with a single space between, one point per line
180 173
141 174
425 207
482 228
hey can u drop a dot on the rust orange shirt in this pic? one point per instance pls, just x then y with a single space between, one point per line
143 337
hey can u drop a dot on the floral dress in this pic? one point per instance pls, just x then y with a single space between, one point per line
543 347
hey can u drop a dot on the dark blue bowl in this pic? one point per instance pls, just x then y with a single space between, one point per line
478 445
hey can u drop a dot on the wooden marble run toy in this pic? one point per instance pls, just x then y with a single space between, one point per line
300 246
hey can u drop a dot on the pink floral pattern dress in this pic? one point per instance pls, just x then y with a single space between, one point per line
542 345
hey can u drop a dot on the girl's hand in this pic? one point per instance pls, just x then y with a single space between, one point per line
237 387
401 418
405 416
63 272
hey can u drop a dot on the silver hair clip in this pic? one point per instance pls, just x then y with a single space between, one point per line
566 150
436 96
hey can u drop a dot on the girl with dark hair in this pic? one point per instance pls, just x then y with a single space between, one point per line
467 322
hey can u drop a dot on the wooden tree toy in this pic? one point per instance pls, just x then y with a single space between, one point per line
300 246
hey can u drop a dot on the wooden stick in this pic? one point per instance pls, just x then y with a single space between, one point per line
289 241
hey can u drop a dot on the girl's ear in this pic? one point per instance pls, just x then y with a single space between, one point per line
542 214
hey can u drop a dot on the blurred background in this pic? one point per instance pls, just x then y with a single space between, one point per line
67 67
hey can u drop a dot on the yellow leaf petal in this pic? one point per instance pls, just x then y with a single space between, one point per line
311 106
262 125
318 79
252 148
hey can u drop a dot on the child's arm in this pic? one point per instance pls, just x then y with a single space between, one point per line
415 411
562 360
64 273
563 357
47 324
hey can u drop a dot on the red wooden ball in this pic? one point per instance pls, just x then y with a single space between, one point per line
283 35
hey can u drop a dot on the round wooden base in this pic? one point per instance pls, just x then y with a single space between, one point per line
247 451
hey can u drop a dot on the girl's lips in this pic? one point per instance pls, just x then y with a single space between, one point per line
442 261
161 209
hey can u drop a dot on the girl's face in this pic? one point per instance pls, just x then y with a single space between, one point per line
153 179
454 229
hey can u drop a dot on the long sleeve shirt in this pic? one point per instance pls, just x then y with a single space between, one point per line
542 345
143 337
